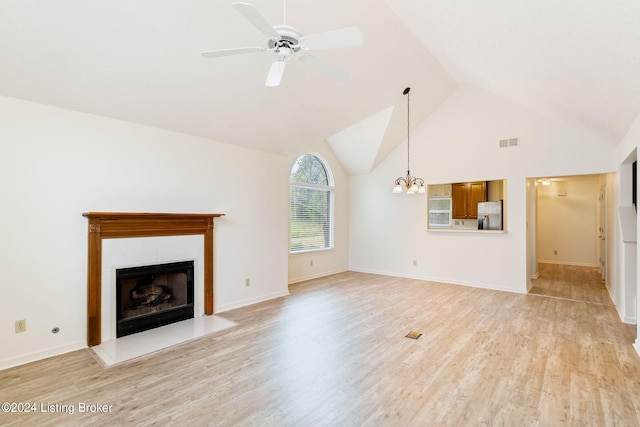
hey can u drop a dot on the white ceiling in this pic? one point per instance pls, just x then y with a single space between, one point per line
578 61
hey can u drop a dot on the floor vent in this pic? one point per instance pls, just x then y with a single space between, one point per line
511 142
413 335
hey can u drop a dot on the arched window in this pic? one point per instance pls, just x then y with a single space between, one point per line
311 200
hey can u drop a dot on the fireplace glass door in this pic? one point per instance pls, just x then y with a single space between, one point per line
151 296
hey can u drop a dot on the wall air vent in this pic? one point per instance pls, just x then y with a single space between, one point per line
511 142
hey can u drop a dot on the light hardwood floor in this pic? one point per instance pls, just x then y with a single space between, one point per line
334 353
571 282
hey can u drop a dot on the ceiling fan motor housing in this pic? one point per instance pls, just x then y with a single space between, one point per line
289 38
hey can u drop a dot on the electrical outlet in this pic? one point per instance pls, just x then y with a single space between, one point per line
415 262
555 252
21 326
247 282
311 263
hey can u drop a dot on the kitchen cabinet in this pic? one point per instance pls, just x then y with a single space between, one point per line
465 197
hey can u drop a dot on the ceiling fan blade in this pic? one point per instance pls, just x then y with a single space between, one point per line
324 67
227 52
252 15
346 37
275 73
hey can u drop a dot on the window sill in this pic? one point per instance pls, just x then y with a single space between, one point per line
310 251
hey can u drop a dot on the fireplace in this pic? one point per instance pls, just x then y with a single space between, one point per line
151 296
118 225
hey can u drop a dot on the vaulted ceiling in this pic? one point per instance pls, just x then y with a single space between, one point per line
577 61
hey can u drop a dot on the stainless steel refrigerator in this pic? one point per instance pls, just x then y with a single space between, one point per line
490 215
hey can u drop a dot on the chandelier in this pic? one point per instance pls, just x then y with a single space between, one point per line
410 183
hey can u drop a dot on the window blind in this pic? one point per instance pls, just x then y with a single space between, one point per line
310 210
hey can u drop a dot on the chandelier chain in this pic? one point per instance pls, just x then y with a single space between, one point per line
408 102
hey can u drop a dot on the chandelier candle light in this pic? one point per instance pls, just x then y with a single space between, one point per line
410 183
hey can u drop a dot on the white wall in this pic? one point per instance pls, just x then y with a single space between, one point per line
626 287
460 142
615 257
567 224
57 164
306 266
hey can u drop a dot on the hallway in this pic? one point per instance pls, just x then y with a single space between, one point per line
570 282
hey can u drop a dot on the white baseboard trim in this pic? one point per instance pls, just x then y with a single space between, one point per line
444 280
41 354
226 307
577 264
315 276
615 303
533 277
631 320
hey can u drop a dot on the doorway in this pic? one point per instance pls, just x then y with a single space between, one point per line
569 249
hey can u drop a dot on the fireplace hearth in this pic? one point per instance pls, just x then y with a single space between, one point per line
151 296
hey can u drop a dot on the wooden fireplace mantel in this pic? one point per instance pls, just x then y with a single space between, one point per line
111 225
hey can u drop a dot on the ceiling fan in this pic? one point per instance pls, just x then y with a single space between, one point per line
286 41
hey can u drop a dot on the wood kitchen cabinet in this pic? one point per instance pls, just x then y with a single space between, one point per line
465 197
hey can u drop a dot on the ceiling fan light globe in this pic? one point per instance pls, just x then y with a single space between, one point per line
397 189
284 53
